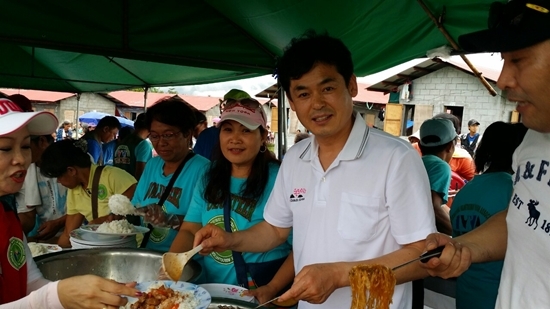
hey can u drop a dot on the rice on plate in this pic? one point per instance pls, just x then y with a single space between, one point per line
116 227
162 297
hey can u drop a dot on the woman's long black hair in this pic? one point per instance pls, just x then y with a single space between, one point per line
218 177
500 140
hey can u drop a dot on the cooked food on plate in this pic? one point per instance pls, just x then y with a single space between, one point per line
161 297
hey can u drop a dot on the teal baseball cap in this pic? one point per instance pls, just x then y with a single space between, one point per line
437 132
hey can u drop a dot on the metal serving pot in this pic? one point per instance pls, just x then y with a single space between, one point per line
226 303
119 264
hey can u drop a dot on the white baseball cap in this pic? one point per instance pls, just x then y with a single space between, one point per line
12 118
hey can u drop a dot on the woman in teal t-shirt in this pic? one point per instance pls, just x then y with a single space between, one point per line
242 175
484 196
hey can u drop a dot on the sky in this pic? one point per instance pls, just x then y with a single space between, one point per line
257 84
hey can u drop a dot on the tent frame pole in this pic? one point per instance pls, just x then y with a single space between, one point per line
455 46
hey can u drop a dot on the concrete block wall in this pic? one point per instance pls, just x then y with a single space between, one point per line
453 87
88 102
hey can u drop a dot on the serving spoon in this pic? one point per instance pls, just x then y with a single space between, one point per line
173 263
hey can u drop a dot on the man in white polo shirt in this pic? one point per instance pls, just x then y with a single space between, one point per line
352 195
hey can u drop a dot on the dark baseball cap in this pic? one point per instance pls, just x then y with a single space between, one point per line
473 122
514 25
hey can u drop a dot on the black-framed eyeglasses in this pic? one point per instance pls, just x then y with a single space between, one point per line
154 137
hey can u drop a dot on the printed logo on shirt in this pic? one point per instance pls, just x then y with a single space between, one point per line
122 155
240 205
155 191
298 195
102 192
16 253
159 234
526 173
226 257
468 217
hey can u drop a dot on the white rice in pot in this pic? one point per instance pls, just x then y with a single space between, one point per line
116 227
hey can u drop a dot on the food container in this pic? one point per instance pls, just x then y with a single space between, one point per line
119 264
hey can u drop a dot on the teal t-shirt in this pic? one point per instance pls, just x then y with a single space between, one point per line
151 186
477 201
439 173
245 213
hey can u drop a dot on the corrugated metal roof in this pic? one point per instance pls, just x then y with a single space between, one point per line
38 95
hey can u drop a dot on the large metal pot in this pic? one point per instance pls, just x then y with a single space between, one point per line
120 264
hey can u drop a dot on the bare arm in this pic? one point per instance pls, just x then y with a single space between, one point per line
488 242
262 237
28 220
442 219
282 278
184 239
140 166
129 193
336 275
483 244
72 222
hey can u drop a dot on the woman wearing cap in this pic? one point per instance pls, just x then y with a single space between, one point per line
487 194
237 185
21 283
69 162
171 123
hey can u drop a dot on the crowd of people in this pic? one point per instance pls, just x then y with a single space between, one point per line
344 195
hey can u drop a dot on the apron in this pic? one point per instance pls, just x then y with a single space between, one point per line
13 260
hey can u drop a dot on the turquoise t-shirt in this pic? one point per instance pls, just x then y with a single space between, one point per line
151 186
477 201
245 213
439 173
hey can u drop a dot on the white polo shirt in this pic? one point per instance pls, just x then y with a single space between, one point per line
373 199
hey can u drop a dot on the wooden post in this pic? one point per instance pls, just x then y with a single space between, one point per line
456 47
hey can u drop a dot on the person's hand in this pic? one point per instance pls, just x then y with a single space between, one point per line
262 294
155 215
48 230
89 291
315 283
212 238
455 259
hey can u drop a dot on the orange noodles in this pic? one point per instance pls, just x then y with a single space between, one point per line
371 286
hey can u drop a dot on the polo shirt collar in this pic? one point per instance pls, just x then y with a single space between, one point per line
354 147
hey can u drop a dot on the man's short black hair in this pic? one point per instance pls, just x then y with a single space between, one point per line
108 121
303 53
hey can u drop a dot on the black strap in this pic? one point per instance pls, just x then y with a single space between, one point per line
166 192
240 265
95 191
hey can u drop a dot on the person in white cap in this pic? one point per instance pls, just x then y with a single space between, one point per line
237 185
520 31
21 283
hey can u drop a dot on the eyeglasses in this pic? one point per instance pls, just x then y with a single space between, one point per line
166 136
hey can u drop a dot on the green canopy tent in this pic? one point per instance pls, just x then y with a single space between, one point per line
105 45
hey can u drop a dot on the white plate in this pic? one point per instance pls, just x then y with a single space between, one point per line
202 296
92 228
227 291
93 239
52 248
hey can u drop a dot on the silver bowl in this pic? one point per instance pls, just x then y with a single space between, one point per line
119 264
